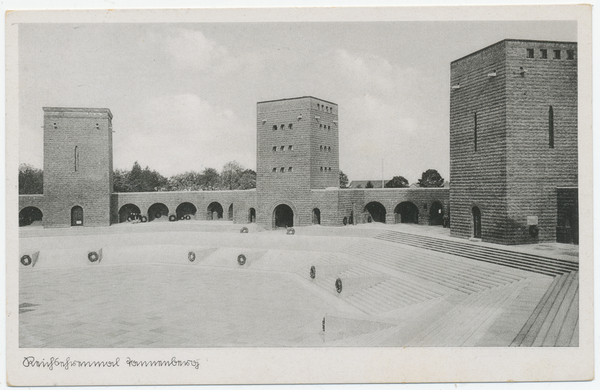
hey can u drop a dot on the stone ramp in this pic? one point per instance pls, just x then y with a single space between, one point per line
554 321
525 261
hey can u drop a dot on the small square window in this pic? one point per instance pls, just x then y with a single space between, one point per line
320 126
544 53
329 169
329 149
290 147
529 53
289 169
557 54
282 169
282 148
282 126
328 127
274 127
290 126
274 148
321 169
274 169
570 54
321 147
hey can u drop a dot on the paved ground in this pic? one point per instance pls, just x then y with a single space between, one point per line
146 293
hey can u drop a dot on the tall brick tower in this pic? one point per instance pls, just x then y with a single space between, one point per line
513 142
298 151
77 166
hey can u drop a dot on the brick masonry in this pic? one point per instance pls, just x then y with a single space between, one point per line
501 157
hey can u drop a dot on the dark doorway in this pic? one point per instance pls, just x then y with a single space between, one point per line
283 216
214 211
185 209
230 213
252 215
30 216
436 214
476 222
129 212
77 216
316 217
158 211
406 212
376 212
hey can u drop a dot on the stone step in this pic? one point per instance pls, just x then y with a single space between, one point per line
529 331
529 262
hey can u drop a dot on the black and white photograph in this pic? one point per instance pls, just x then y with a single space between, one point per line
188 190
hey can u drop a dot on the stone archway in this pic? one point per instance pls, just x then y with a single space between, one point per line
436 213
30 216
185 209
283 216
316 216
77 216
129 212
214 211
406 212
158 211
375 212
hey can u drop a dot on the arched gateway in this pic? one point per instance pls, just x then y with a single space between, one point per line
283 216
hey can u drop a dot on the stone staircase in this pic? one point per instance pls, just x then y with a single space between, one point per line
528 262
555 320
453 272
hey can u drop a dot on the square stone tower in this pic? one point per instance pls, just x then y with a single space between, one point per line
298 151
513 140
78 168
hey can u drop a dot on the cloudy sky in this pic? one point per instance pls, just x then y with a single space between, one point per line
184 96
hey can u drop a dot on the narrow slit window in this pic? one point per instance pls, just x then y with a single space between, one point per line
282 169
475 131
274 148
282 148
290 126
290 169
290 147
76 158
551 127
274 127
557 54
274 169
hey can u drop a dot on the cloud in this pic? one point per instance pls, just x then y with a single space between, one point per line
191 49
184 132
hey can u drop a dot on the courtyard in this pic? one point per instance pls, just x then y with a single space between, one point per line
401 285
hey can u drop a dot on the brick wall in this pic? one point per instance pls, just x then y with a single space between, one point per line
535 169
502 98
77 165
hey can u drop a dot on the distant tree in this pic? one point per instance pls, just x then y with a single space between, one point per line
138 180
397 182
247 180
31 180
121 181
188 181
210 179
230 175
369 184
431 178
343 180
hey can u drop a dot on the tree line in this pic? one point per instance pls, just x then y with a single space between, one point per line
233 176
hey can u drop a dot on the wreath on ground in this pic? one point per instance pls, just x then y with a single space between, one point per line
93 257
338 285
26 260
191 256
241 259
